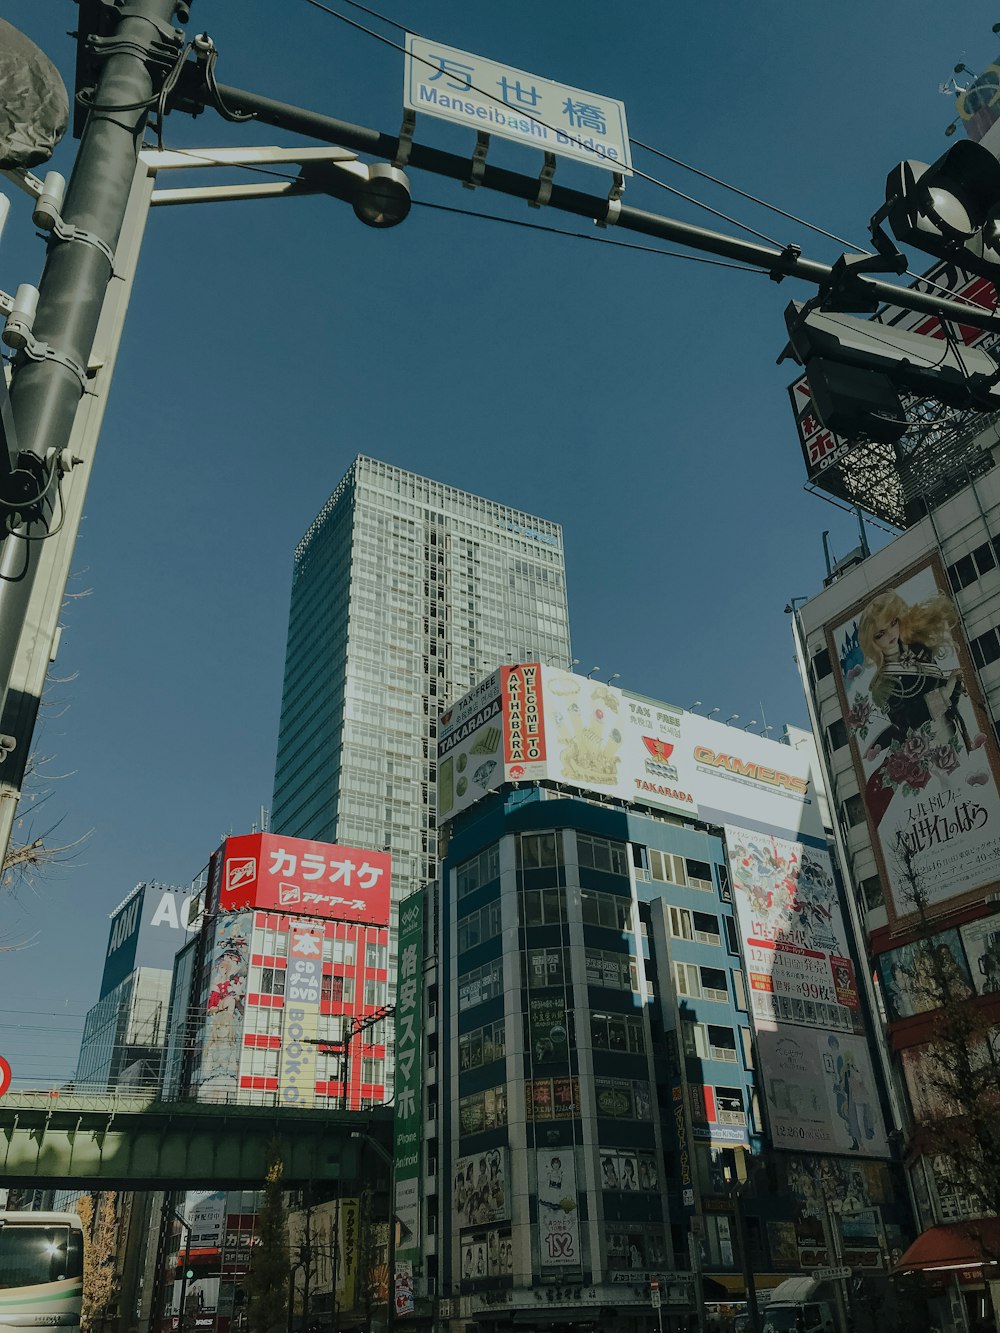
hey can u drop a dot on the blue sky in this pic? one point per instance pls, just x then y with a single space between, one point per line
632 397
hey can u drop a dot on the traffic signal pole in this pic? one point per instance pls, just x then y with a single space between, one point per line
192 95
52 371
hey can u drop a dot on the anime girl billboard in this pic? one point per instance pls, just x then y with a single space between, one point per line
226 1004
925 764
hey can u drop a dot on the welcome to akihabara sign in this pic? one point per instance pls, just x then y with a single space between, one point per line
302 878
530 722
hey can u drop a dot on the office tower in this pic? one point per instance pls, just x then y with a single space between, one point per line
405 591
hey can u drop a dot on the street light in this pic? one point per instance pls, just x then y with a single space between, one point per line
384 199
590 673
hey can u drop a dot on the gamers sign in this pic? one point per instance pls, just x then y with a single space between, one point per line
293 875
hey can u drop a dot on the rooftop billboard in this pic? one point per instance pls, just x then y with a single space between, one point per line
146 931
531 722
302 878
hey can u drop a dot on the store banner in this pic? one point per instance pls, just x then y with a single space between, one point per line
225 1005
408 1122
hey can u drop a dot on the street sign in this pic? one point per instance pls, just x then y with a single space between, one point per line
830 1274
495 99
5 1076
654 1294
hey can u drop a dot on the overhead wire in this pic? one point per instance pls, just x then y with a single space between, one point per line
649 148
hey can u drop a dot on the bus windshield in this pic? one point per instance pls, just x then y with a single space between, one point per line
34 1254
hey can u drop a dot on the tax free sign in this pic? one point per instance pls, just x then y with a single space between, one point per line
495 99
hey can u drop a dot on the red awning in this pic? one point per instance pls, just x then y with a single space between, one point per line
956 1245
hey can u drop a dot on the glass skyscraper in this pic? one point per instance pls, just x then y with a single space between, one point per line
405 592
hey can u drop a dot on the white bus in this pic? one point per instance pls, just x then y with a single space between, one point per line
41 1270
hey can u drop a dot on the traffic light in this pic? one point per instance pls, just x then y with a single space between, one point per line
856 370
949 209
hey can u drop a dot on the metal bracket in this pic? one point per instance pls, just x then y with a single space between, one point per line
478 161
36 351
614 201
405 138
64 231
544 182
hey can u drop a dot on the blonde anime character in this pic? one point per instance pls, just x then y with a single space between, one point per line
917 693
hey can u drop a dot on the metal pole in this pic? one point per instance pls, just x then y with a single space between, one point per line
192 96
184 1270
753 1312
39 636
45 394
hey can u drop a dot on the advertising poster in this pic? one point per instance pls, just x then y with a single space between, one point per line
408 1118
303 878
784 1244
925 764
220 1062
821 1092
920 976
619 1170
470 753
524 727
205 1213
794 942
348 1244
404 1286
982 949
303 987
558 1210
547 1020
480 1195
565 1098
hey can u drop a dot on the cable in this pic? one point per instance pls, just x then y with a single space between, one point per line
544 125
583 236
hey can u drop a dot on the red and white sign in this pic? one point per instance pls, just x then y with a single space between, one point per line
5 1076
318 879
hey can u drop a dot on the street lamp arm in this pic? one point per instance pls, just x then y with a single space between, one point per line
192 95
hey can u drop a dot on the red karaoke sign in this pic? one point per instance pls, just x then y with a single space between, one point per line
303 878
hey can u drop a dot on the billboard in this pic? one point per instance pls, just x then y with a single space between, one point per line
558 1208
293 875
821 1092
982 951
147 930
531 722
480 1194
794 942
917 977
303 987
407 1123
923 756
226 1003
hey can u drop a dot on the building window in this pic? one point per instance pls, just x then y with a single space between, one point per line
617 1032
600 854
706 928
721 1043
615 971
699 874
479 926
836 734
972 566
986 648
542 907
606 909
482 1046
713 984
680 923
870 893
548 967
477 871
729 1106
854 807
821 665
686 979
538 850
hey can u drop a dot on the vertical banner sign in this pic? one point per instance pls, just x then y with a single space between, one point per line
524 722
558 1213
409 1100
348 1243
304 982
683 1145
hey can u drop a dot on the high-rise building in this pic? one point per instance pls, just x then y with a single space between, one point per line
405 591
